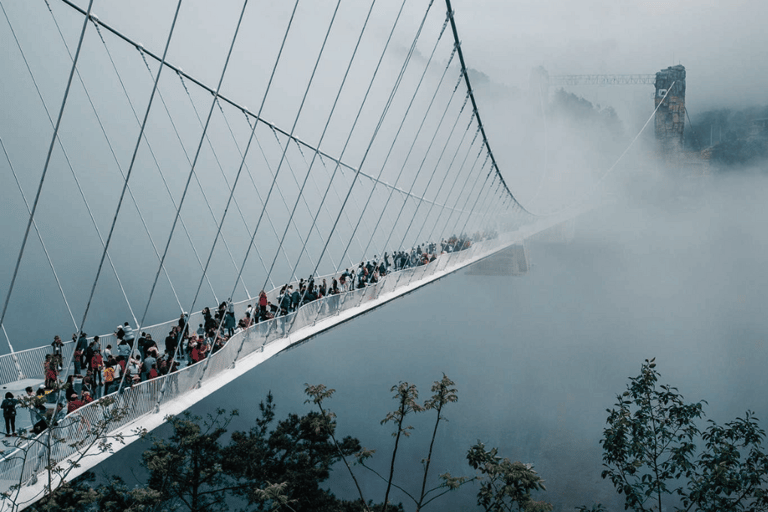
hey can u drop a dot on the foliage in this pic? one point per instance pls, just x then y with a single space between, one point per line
294 459
281 465
186 468
504 484
601 123
113 496
650 454
730 134
406 396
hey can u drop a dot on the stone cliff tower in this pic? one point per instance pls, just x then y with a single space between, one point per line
670 117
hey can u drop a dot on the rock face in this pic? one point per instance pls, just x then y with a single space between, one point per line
670 117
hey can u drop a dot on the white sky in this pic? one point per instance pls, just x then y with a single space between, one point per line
722 43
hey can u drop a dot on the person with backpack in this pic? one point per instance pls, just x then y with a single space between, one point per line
9 413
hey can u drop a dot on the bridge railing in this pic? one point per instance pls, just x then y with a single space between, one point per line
75 430
31 360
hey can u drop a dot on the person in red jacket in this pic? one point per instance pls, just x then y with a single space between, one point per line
74 403
97 364
262 303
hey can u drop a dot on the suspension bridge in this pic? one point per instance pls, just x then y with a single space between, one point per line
139 186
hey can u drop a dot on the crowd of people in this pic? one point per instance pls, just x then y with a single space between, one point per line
99 372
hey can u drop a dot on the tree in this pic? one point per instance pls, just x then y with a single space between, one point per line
650 452
406 395
186 468
286 466
505 484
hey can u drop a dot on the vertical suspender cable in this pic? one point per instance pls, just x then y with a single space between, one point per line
293 128
453 185
117 162
320 141
146 140
130 170
383 115
431 177
423 160
415 137
45 167
251 138
445 177
184 194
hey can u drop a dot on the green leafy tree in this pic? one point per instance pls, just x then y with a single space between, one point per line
113 496
406 395
284 467
650 453
505 485
444 393
186 469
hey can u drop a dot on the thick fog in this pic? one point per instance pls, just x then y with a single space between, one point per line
667 260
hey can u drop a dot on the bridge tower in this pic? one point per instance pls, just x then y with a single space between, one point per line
670 116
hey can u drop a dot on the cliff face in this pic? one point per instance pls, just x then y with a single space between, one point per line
670 117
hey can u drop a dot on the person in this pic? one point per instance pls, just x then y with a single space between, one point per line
124 349
262 303
74 403
31 395
172 340
9 414
133 370
119 333
69 386
39 422
285 302
195 354
229 318
87 386
78 358
57 345
141 342
249 310
150 345
148 362
109 377
82 341
208 320
89 353
108 351
97 364
51 373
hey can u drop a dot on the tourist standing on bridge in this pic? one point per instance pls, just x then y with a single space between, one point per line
262 303
9 414
128 334
97 364
229 319
51 374
78 359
